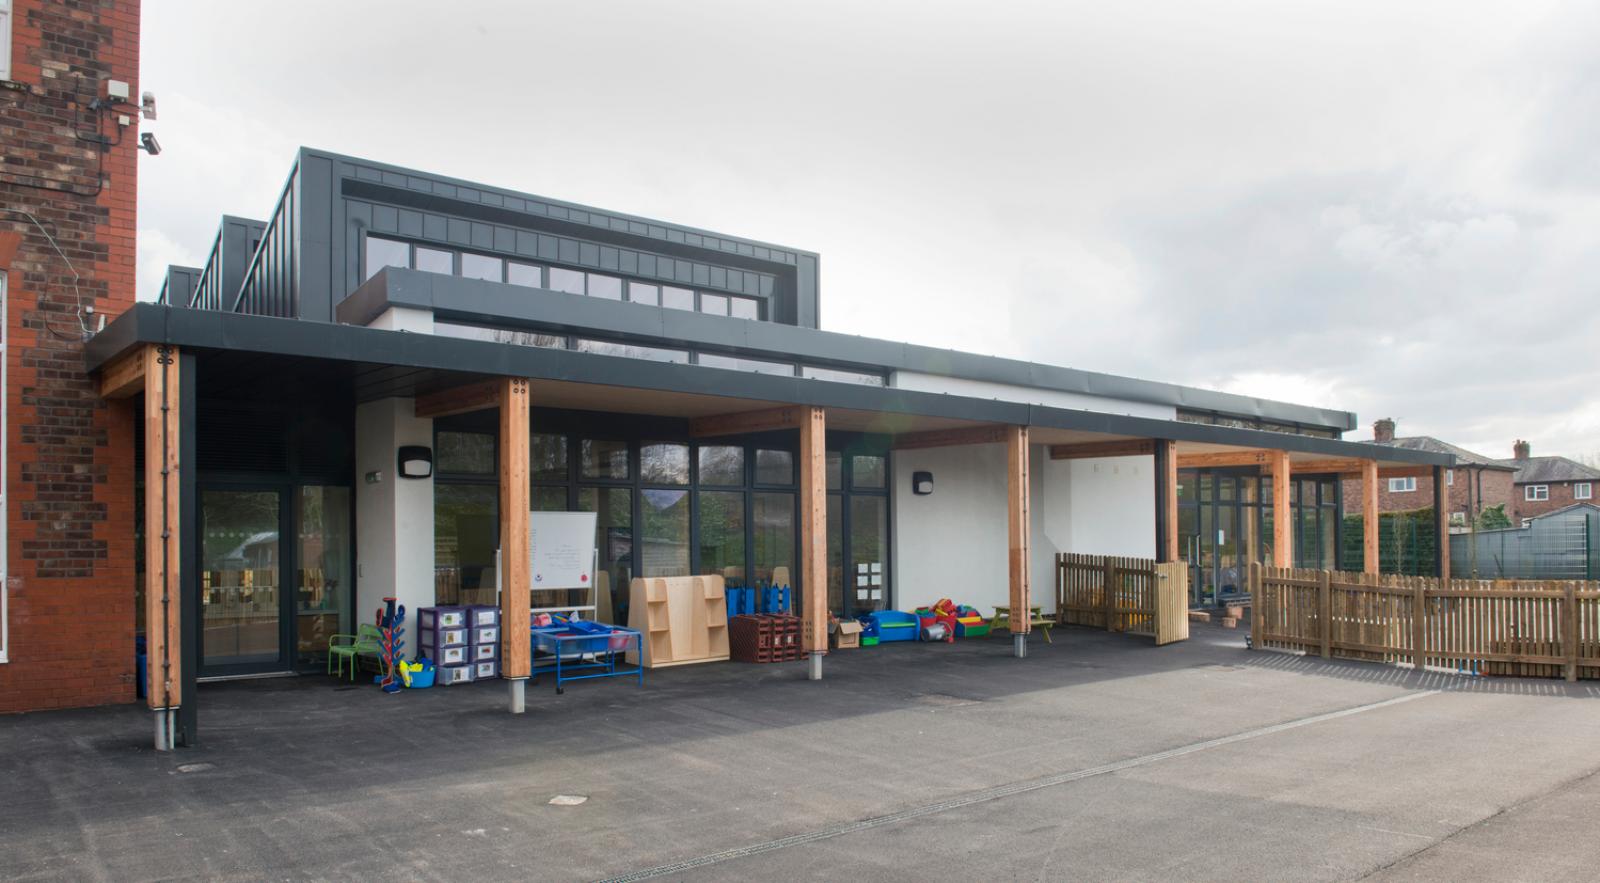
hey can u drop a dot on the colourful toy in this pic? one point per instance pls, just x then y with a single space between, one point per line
417 675
391 619
969 624
943 614
893 625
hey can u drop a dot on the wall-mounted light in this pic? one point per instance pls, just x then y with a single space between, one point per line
922 483
416 461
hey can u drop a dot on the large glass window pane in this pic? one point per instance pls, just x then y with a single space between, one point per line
834 466
549 498
714 304
603 458
464 453
480 266
674 298
530 275
613 525
549 457
465 534
744 308
608 287
869 553
774 534
500 335
322 604
774 467
665 534
757 366
867 471
664 463
436 260
722 534
632 351
1187 481
240 613
562 279
386 253
640 293
722 464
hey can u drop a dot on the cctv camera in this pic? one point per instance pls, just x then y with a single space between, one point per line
149 144
147 105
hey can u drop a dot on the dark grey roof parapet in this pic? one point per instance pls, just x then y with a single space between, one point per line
213 330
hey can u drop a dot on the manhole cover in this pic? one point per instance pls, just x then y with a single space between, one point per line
942 700
195 767
568 800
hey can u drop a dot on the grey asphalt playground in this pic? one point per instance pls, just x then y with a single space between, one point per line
1098 757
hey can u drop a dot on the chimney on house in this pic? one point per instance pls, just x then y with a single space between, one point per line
1521 449
1383 430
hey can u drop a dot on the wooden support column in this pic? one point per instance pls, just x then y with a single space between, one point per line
163 594
814 535
1369 517
1282 515
1441 514
515 503
1019 545
1166 457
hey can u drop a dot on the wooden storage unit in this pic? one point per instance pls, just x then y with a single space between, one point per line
684 619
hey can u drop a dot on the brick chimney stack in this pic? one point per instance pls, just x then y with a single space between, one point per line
1383 430
1521 449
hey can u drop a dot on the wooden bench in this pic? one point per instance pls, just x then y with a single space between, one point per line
1036 619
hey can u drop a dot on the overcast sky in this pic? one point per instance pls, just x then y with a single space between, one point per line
1388 208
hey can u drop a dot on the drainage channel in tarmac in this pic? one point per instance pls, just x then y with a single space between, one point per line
1000 791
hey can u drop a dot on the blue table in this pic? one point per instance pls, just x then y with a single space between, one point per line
568 648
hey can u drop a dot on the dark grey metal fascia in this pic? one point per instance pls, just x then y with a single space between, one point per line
454 297
209 329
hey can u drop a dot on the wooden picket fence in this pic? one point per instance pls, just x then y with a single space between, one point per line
1133 595
1526 628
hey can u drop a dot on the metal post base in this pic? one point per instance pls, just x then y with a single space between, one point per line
166 723
815 671
519 695
1019 646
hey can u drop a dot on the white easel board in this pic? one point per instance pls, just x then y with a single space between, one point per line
562 555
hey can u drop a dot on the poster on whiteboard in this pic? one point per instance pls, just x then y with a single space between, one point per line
561 549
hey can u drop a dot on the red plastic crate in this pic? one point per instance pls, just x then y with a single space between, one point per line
765 638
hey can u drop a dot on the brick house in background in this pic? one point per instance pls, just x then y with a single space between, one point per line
1545 484
1475 483
69 74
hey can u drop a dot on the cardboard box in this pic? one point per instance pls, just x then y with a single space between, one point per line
844 635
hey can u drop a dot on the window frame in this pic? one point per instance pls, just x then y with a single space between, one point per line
5 74
1405 484
1587 488
1536 493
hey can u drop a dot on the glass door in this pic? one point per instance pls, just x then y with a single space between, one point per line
323 567
242 606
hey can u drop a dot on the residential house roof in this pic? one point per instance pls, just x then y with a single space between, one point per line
1463 456
1546 470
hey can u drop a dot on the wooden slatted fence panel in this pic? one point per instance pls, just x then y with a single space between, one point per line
1522 628
1120 594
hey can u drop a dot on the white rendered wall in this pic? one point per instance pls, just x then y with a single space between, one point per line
1112 505
1028 395
404 319
954 543
394 518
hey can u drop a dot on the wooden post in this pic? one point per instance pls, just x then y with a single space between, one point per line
1369 517
1017 522
1166 458
163 559
1258 607
814 535
1419 624
1325 610
515 503
1108 592
1282 515
1569 630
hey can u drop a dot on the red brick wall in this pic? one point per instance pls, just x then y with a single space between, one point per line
70 479
1560 497
1496 489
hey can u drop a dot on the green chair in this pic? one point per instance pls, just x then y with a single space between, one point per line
367 641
